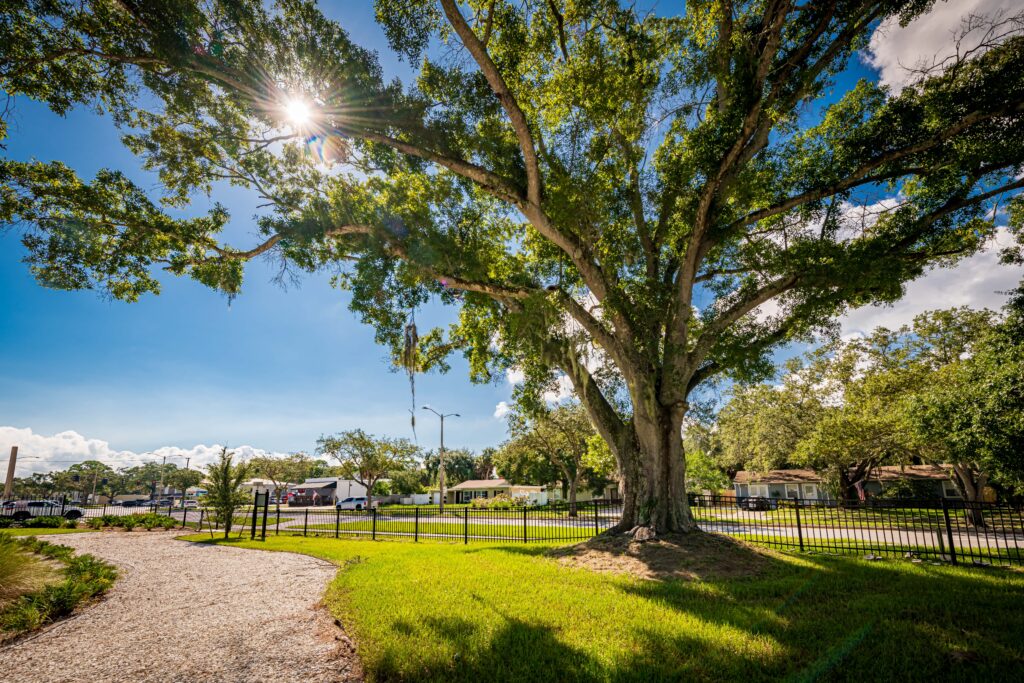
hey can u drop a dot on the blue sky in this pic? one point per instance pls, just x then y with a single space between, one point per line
274 369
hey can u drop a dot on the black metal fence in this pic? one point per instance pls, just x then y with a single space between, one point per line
948 530
555 522
22 511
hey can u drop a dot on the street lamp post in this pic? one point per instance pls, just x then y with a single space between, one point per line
440 468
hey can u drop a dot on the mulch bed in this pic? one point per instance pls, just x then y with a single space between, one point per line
695 556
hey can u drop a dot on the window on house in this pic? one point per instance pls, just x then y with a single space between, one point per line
759 490
792 491
810 491
949 489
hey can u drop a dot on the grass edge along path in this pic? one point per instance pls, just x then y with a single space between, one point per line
501 612
77 579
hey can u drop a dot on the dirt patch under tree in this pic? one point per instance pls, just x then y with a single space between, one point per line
696 556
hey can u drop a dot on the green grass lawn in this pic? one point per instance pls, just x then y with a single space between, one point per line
489 612
512 529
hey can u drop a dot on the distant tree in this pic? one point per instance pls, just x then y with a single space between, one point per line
970 411
483 464
224 479
760 426
367 459
460 464
182 479
704 471
557 435
409 481
289 469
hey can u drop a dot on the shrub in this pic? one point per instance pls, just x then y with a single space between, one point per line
169 523
6 522
502 501
84 577
129 523
20 570
45 522
95 523
70 524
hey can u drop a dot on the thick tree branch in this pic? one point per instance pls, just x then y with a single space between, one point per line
504 94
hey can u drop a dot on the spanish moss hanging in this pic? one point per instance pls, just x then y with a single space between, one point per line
410 356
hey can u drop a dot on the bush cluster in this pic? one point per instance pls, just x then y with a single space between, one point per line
84 577
502 501
147 520
45 522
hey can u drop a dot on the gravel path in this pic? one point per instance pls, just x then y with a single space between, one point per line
191 612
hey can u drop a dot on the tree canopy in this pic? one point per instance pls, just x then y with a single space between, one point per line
946 389
636 202
365 458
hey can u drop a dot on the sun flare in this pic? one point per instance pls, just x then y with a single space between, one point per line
298 112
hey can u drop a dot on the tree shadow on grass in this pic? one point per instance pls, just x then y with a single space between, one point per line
843 618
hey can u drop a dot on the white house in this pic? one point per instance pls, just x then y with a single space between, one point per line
324 491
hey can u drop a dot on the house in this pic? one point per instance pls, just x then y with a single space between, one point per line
466 491
931 480
324 491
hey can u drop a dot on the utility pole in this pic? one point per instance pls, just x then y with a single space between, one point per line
163 465
440 468
9 484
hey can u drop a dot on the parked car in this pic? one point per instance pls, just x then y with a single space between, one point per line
757 503
163 502
189 504
356 503
22 510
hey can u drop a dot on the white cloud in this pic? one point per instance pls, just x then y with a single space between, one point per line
502 409
979 282
515 376
895 50
42 453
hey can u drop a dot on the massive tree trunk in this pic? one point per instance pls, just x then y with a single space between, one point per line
653 471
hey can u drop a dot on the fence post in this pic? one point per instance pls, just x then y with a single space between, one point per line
465 526
305 522
799 529
266 507
597 525
416 530
337 521
374 511
255 503
184 517
949 531
524 525
63 502
277 519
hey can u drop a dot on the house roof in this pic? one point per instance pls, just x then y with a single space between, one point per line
885 473
477 484
777 477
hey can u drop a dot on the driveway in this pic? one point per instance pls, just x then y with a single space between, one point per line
192 612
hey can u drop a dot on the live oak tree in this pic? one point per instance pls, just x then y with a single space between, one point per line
367 459
637 203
